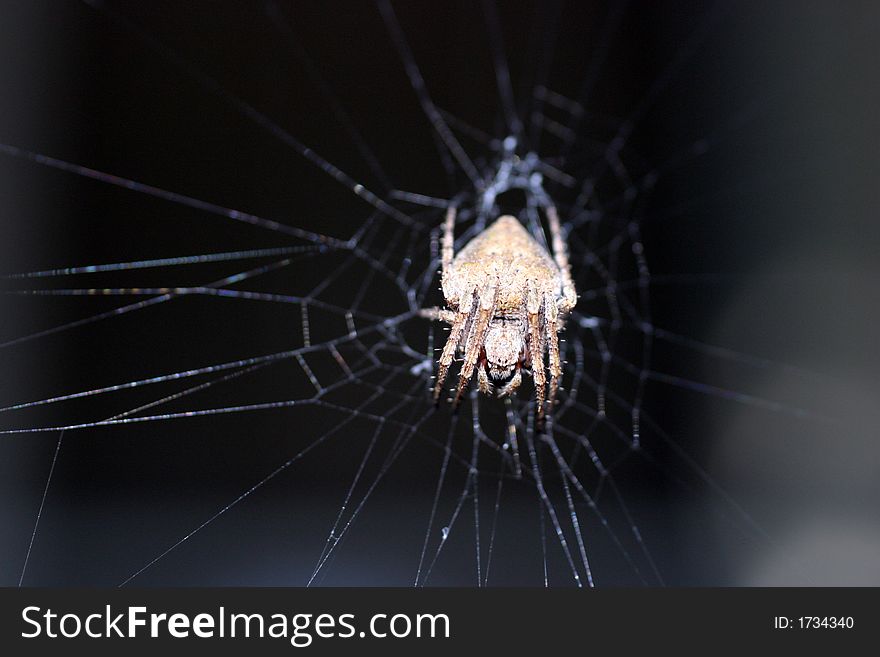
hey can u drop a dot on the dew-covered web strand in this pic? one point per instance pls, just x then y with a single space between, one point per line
30 547
216 287
567 474
691 463
496 511
470 487
542 517
199 259
467 488
349 417
575 522
158 296
512 440
447 453
174 197
474 473
183 374
130 412
695 467
548 504
401 441
290 354
323 241
333 538
641 322
165 295
397 448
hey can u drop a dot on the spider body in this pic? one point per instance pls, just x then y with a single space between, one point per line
507 299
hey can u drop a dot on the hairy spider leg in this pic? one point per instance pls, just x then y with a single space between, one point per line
550 326
477 336
483 380
536 346
458 325
513 384
456 320
560 256
448 245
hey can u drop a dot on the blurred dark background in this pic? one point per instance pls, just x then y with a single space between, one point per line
765 244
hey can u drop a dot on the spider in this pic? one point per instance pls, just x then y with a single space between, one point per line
507 300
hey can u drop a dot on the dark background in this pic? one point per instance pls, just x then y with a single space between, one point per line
766 245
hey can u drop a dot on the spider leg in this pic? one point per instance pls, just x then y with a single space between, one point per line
560 256
447 248
512 386
441 314
536 347
477 337
458 324
483 379
550 327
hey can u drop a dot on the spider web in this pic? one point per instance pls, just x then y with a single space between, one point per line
218 372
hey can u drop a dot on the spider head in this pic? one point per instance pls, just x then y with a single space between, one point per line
504 347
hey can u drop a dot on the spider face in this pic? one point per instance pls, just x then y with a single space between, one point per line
507 299
503 350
